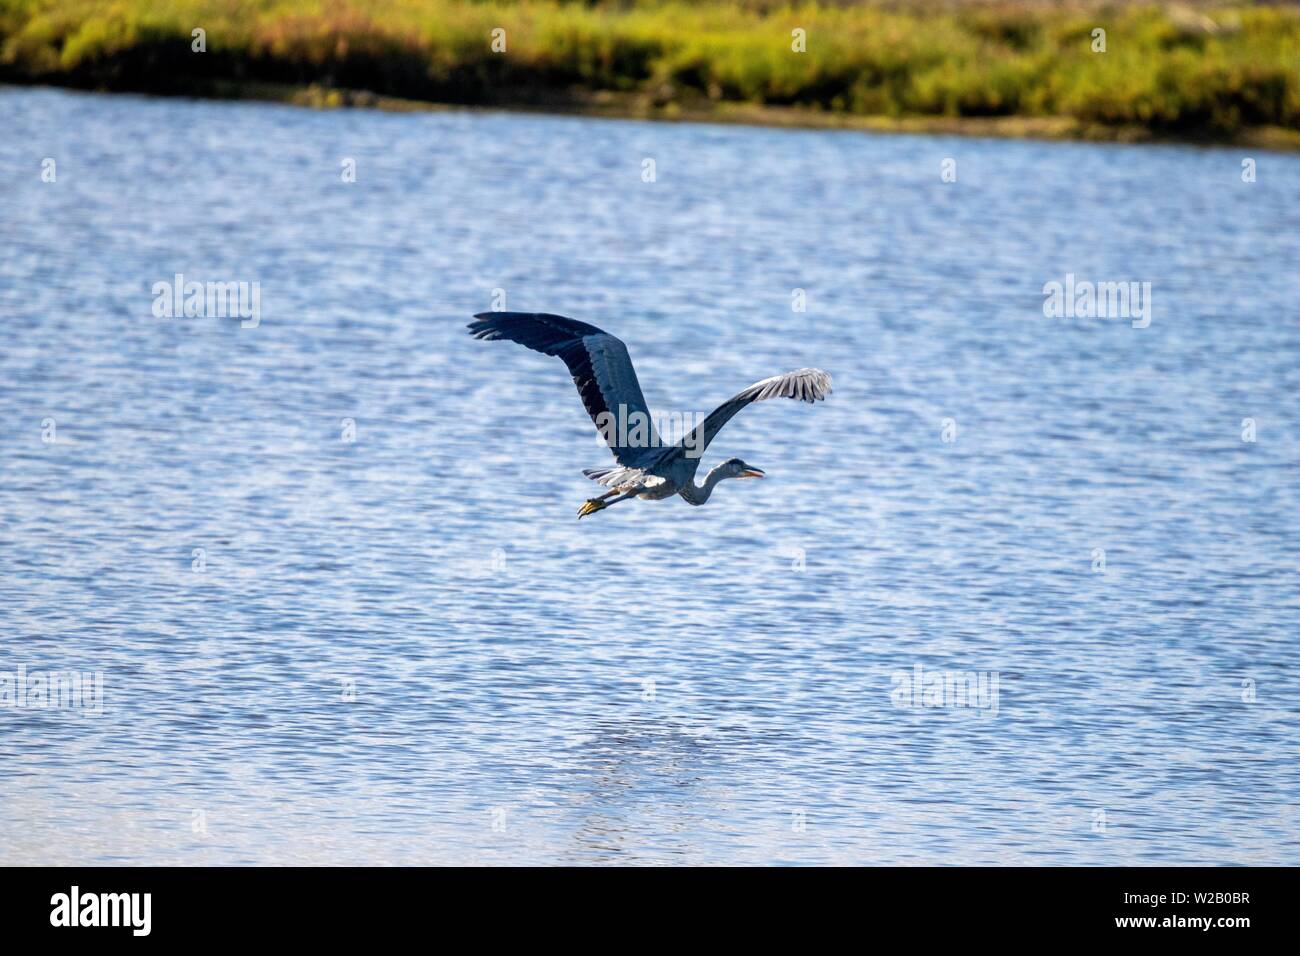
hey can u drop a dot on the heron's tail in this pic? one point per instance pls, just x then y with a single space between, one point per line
614 476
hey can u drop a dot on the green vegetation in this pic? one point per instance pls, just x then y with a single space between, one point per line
1204 72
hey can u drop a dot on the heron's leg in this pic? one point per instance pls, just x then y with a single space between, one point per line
592 505
595 504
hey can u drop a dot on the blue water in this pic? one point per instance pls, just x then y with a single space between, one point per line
406 649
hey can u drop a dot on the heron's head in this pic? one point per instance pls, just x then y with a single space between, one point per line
735 468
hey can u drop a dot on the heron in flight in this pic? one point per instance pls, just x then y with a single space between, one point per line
644 466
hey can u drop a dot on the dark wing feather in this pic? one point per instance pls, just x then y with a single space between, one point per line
601 368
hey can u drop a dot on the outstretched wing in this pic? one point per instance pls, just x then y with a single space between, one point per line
601 370
805 384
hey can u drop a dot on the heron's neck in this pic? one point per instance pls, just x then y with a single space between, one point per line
698 494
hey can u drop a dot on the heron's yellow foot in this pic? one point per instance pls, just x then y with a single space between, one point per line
590 506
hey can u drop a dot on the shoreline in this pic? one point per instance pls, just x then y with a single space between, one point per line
634 106
1137 71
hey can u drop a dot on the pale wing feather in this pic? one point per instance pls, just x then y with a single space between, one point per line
623 477
805 384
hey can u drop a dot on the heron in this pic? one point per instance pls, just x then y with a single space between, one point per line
644 466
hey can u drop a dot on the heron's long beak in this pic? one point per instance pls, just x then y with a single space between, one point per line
751 473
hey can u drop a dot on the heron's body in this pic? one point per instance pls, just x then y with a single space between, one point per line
644 467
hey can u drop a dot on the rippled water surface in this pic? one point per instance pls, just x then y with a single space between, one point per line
406 649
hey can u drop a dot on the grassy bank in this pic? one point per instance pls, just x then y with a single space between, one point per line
1207 72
